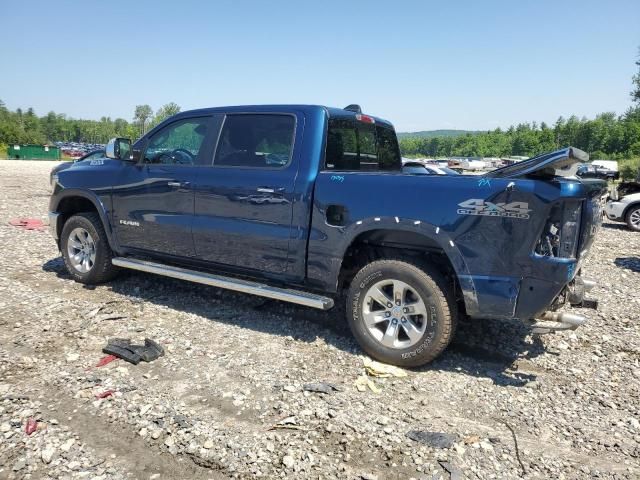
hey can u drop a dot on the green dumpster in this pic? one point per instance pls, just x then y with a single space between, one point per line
33 152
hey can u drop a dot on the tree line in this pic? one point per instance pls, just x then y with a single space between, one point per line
21 126
606 136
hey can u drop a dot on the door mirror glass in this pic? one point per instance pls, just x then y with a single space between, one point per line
119 149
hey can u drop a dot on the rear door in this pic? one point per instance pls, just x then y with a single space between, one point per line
243 212
154 201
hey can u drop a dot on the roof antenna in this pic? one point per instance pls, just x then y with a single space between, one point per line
353 108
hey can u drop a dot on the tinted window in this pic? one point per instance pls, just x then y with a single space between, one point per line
388 149
355 145
178 143
258 141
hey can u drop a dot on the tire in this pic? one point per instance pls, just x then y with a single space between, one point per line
633 218
431 330
95 249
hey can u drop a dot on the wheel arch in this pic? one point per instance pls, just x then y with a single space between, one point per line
628 208
74 201
418 239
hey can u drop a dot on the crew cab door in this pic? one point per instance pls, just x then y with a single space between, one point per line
153 203
243 210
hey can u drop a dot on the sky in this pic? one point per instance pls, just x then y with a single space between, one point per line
423 65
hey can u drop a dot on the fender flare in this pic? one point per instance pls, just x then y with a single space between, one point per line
97 203
434 233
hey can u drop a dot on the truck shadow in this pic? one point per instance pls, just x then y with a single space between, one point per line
487 348
629 263
615 226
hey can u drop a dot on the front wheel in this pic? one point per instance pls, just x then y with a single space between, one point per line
85 249
401 313
633 218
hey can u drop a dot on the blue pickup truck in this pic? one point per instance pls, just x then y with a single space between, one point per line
309 204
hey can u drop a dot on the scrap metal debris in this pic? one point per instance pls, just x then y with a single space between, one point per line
454 472
382 370
363 382
31 426
376 370
433 439
106 360
515 441
132 353
28 223
105 394
321 387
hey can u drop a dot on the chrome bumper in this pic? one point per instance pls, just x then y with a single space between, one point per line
53 224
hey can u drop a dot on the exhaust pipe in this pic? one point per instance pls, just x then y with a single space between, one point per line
556 321
588 284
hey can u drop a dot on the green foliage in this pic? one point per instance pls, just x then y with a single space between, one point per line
606 136
164 112
635 93
20 127
141 115
630 169
437 133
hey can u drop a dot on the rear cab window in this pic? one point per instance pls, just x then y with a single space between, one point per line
256 140
354 145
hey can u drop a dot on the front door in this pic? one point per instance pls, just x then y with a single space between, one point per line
243 211
153 204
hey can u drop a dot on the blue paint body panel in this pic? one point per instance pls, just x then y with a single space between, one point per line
218 219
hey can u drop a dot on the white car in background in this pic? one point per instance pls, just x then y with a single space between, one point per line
422 168
623 205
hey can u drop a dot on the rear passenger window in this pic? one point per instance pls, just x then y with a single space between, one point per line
355 145
256 141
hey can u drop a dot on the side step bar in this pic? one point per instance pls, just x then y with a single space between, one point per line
229 283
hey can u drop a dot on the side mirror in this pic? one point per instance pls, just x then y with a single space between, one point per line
119 149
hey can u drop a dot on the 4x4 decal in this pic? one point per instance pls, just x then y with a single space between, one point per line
477 206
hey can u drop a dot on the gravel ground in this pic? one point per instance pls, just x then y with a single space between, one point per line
228 398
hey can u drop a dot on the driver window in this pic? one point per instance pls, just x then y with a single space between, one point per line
178 143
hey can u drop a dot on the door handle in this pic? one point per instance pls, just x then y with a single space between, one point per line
178 184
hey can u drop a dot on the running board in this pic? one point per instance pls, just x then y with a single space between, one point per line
229 283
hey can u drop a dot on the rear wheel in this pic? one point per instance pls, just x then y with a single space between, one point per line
85 249
401 313
633 218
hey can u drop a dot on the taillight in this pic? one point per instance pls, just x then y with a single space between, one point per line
560 235
365 118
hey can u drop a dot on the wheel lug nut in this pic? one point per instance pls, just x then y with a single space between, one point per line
395 320
398 303
403 319
405 310
389 305
387 314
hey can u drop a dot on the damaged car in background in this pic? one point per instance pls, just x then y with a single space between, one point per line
310 205
623 205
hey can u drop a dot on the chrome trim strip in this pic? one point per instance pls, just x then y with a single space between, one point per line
238 285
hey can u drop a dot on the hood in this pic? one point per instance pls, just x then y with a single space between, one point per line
561 163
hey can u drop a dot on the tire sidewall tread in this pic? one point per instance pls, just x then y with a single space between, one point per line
435 293
628 218
103 270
